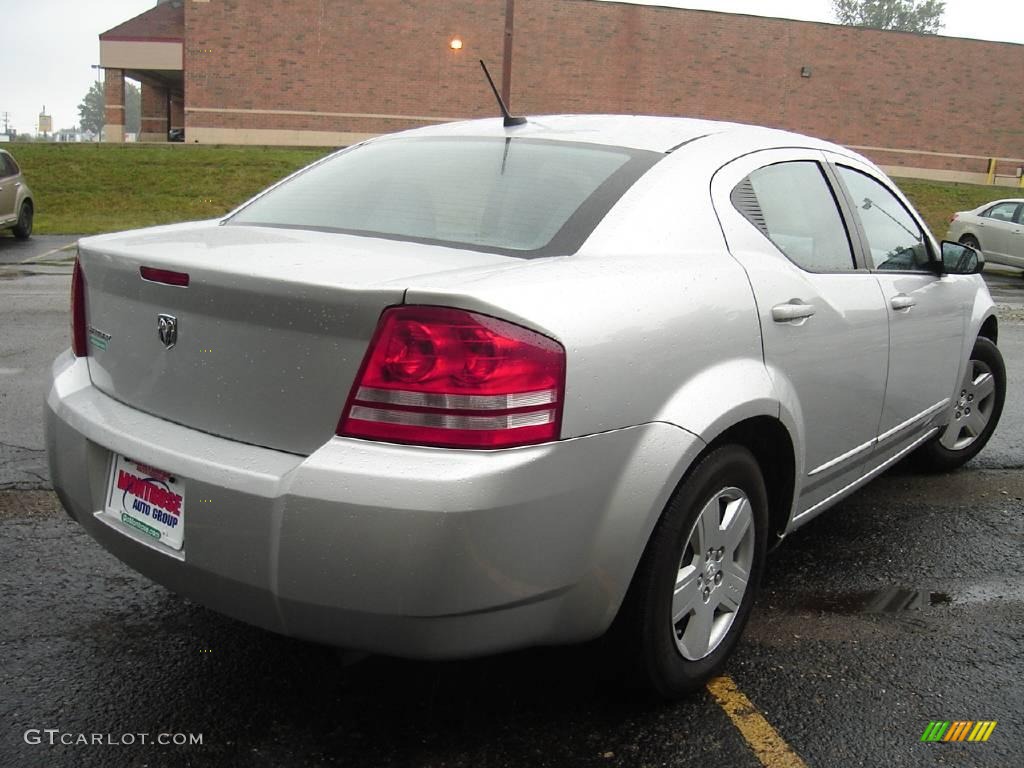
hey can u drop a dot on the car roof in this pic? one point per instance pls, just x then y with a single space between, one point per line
991 203
643 132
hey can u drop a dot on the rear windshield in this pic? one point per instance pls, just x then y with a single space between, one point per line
519 197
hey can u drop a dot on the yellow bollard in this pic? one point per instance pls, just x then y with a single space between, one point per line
991 171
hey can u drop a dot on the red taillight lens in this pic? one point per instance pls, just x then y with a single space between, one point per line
165 276
456 379
79 335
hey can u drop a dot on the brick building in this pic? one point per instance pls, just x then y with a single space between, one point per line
330 72
150 49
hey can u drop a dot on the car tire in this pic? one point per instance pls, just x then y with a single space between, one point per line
23 229
688 602
971 242
978 406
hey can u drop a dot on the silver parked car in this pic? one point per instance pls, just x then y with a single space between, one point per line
17 208
473 387
996 228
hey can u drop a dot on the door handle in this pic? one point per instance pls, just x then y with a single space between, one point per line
901 302
792 310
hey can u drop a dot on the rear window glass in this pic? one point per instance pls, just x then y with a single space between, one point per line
520 197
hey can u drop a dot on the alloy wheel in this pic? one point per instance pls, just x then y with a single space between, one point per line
713 573
973 408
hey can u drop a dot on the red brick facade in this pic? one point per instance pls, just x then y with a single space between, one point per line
113 97
154 112
368 66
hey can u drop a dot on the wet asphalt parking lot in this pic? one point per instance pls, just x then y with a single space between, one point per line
903 605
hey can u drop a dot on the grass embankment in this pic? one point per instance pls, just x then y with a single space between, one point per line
937 201
92 188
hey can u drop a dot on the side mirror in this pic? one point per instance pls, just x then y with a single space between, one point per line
960 259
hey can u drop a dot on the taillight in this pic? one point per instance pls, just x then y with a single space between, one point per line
165 276
79 335
456 379
953 217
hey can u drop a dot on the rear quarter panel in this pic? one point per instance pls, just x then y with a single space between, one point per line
657 319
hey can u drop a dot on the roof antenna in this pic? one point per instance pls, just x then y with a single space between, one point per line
509 119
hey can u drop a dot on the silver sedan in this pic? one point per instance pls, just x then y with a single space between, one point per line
17 206
477 387
996 229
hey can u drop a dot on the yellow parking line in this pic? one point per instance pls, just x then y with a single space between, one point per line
35 259
764 740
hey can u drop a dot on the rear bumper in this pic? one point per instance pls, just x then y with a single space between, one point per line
393 549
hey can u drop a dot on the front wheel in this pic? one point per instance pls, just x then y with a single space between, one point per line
23 229
695 586
976 411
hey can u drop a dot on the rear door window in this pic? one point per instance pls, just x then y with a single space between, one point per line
793 206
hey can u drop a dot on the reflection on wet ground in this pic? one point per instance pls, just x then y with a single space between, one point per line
888 600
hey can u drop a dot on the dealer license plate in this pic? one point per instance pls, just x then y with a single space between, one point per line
148 500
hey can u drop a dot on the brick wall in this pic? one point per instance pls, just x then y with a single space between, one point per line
154 113
366 58
177 111
368 66
113 97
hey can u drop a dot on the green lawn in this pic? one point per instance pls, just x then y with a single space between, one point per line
937 201
91 188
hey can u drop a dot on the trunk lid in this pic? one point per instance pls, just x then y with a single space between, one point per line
271 329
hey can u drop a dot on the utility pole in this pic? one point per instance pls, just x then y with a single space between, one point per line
7 124
506 66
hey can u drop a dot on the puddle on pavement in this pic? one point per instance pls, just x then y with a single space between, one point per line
888 600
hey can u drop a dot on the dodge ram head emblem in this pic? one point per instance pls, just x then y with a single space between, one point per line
167 327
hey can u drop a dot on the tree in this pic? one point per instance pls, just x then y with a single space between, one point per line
132 108
92 110
923 16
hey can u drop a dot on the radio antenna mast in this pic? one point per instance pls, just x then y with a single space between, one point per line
509 119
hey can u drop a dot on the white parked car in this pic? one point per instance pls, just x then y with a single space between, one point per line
477 387
996 229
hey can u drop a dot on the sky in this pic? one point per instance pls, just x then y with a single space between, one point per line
47 54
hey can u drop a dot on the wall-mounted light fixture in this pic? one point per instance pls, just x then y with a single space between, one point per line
805 71
456 44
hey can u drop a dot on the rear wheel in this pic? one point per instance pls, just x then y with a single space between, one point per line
695 586
23 229
976 412
971 242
